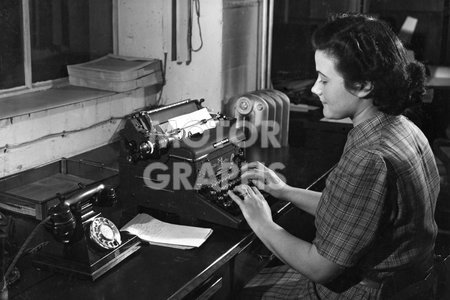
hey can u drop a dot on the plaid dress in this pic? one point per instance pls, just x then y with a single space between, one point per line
376 213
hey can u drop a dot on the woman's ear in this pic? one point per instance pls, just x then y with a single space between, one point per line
363 89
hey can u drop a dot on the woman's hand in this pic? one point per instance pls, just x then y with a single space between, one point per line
263 178
254 207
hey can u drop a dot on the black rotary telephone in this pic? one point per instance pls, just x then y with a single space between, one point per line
83 242
74 218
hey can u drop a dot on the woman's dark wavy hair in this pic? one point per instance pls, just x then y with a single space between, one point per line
367 50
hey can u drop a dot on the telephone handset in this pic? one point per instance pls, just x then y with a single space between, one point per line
74 217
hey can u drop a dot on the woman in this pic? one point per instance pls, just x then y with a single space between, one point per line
375 218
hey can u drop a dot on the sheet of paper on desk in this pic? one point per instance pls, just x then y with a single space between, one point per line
157 232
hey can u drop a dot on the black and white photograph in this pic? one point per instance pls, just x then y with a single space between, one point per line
225 149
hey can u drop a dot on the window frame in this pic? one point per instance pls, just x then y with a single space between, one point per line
29 86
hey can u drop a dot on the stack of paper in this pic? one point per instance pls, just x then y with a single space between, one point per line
157 232
302 107
345 121
439 76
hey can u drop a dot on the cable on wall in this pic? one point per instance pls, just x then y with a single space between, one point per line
64 133
164 70
197 13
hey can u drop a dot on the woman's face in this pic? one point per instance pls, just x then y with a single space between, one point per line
338 102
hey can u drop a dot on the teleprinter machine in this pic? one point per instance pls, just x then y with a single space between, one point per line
181 159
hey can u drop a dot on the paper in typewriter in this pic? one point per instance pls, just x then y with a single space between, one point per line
160 233
192 123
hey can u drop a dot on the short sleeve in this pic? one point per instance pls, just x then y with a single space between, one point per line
350 209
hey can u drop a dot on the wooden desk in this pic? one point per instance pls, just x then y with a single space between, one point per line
221 266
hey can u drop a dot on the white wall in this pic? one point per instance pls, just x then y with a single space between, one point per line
226 64
141 34
240 48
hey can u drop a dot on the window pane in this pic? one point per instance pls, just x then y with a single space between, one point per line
11 49
67 32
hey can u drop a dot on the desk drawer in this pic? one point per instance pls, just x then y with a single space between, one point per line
209 289
216 286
